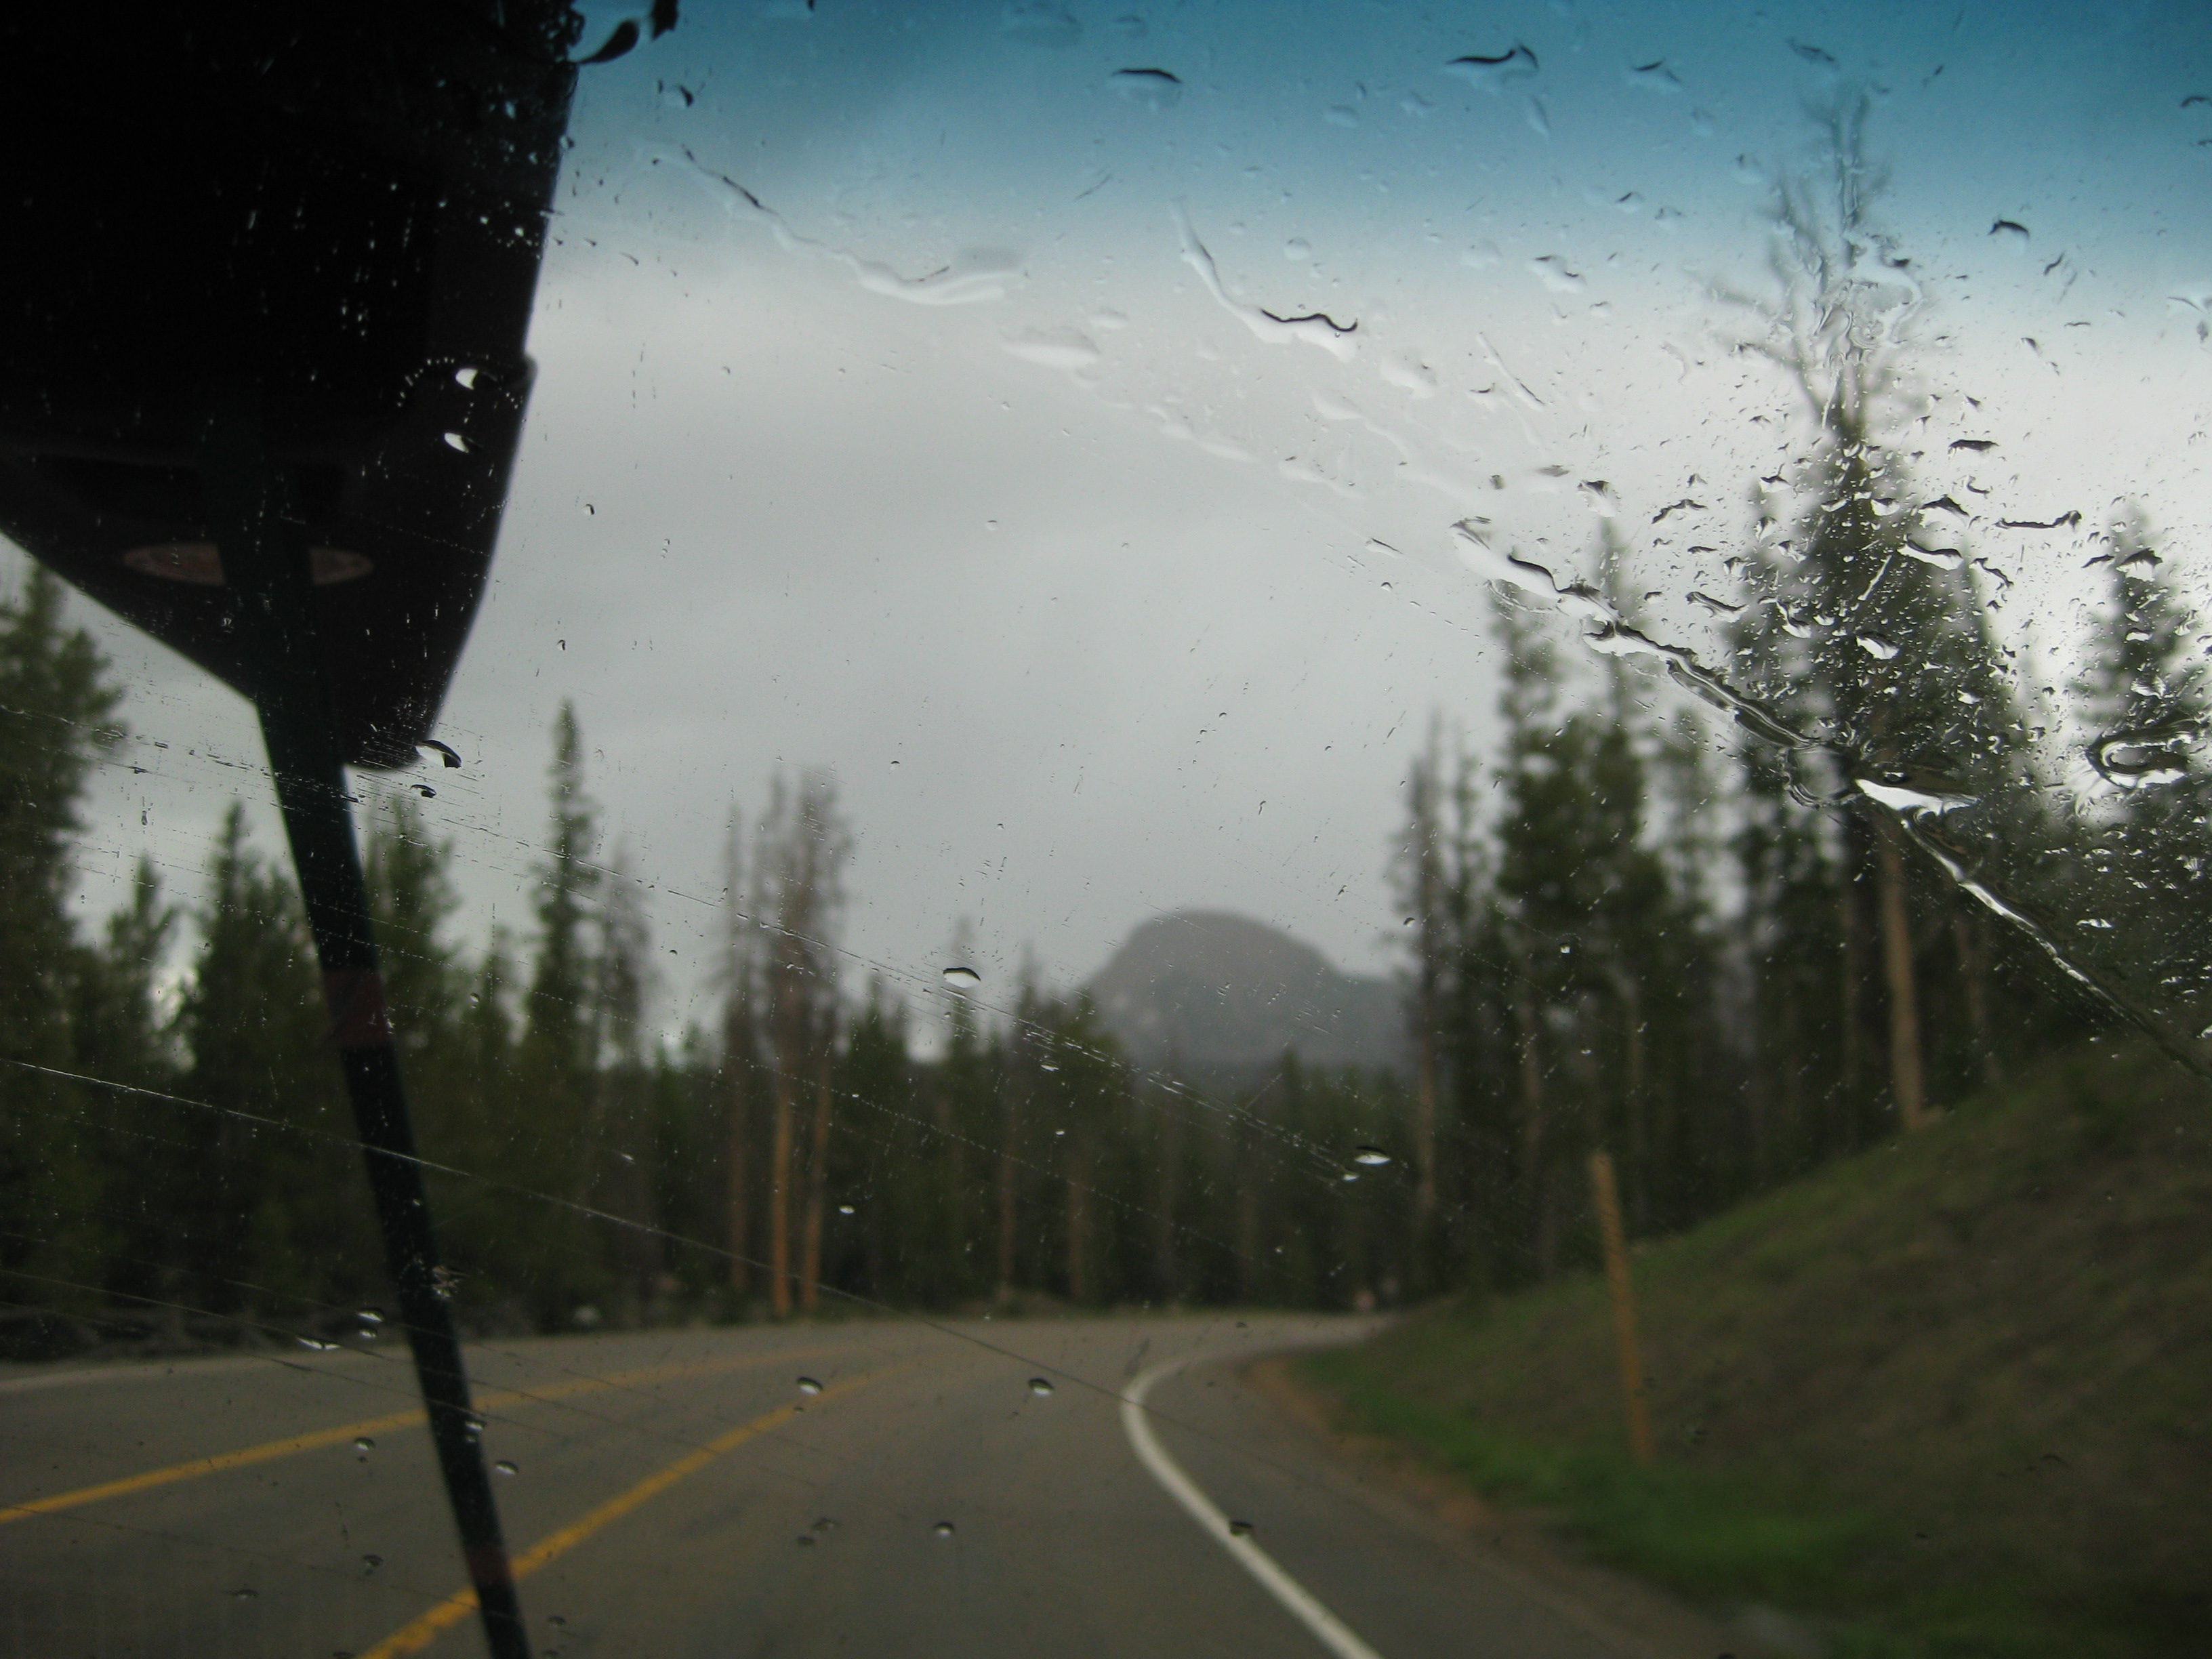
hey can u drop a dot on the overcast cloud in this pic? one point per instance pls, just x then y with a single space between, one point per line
957 454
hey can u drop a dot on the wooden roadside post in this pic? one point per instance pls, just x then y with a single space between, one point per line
1608 1194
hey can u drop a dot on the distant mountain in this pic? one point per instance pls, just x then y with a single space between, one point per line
1215 991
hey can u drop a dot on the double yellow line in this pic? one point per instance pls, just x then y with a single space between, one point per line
216 1465
419 1633
271 1449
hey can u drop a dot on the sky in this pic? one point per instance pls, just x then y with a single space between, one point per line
925 396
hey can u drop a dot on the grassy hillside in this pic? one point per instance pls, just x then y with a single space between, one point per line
1951 1397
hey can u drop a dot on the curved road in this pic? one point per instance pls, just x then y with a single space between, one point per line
682 1495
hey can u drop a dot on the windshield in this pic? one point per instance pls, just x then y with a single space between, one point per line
1165 829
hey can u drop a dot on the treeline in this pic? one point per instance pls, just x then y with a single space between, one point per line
1721 962
1725 963
1728 946
179 1167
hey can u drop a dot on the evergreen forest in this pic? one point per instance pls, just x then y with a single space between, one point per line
1621 929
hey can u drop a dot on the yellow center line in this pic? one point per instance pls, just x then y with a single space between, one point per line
418 1634
269 1450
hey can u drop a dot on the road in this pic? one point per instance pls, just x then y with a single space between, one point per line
683 1495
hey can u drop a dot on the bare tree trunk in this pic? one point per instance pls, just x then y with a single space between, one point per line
1906 1078
817 1185
779 1197
803 845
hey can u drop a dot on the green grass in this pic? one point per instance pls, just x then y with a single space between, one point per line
1952 1398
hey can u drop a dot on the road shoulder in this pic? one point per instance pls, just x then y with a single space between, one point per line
1631 1617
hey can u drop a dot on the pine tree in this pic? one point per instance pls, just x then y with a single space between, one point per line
1080 1104
560 1031
689 1190
2143 706
962 1094
450 1019
1870 625
1482 1052
1021 1069
1578 987
740 1066
256 1205
413 900
478 1118
56 704
1421 872
1668 1081
1800 1058
115 1024
797 871
913 1228
875 1076
118 1033
619 1140
558 1058
1573 874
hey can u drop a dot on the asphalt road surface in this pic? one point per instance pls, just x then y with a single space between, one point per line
683 1495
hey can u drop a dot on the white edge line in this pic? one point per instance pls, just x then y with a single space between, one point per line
1332 1631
